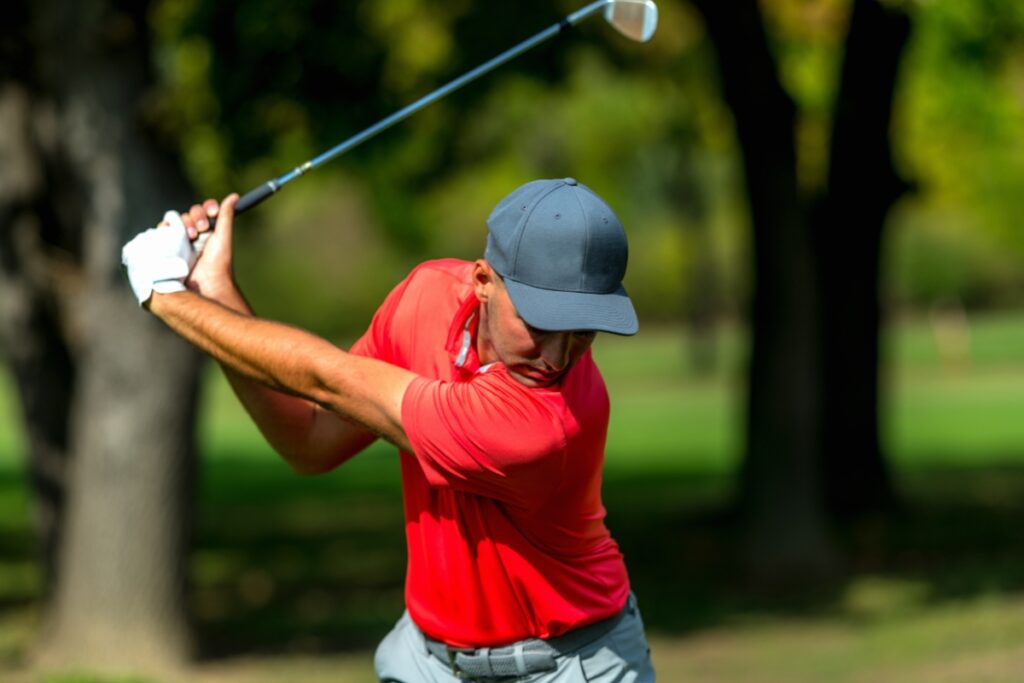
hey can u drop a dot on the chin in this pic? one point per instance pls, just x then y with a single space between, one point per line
533 382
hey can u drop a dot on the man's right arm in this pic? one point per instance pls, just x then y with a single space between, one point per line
311 439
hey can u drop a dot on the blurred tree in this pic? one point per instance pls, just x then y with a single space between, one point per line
812 430
107 394
254 87
848 220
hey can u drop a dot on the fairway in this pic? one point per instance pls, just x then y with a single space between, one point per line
298 577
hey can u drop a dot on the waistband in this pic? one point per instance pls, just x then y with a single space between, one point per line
532 655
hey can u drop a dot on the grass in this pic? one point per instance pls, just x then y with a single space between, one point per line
297 578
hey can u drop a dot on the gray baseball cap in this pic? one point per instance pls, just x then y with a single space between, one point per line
562 254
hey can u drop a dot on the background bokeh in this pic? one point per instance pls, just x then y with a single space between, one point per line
293 577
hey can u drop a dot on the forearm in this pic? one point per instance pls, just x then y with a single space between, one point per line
298 388
311 439
287 422
302 391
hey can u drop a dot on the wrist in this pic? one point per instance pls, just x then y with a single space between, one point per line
158 302
221 289
158 259
225 292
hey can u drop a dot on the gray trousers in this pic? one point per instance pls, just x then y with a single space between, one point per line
619 656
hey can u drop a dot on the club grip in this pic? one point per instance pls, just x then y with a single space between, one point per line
255 196
245 202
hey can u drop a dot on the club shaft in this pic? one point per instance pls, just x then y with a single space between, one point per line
430 98
263 191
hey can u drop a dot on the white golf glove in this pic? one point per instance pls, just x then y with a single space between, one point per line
159 259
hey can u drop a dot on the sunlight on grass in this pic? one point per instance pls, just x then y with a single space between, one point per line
975 640
956 418
11 438
90 678
872 597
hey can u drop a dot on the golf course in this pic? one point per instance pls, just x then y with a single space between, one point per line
297 578
811 455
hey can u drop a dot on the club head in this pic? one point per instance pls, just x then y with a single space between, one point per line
635 19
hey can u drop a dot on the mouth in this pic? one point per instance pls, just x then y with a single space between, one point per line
540 378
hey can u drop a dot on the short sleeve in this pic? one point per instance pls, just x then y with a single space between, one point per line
489 436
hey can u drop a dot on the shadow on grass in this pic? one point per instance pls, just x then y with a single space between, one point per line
289 564
957 535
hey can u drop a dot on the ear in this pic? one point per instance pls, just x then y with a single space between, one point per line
484 280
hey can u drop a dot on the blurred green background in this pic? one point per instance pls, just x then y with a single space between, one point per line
297 577
644 125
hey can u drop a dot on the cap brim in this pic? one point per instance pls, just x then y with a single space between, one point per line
559 311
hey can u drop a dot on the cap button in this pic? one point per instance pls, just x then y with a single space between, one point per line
570 181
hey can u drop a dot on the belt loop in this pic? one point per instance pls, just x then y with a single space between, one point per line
485 654
517 653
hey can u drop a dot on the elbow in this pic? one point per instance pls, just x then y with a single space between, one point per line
305 466
309 462
304 469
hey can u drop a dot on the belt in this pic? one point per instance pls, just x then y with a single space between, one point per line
532 655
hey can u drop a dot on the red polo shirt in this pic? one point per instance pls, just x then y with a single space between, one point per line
503 512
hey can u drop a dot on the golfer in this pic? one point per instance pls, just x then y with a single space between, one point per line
481 374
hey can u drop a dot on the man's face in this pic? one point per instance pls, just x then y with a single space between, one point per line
533 357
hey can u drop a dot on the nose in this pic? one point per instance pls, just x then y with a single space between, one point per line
560 349
555 351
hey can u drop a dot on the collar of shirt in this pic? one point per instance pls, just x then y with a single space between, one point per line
461 343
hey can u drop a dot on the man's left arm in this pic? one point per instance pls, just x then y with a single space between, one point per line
288 359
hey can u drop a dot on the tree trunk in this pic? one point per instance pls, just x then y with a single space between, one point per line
31 333
108 394
862 186
780 497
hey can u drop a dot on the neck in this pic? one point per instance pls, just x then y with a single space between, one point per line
484 347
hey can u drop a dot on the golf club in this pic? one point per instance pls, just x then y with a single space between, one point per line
635 19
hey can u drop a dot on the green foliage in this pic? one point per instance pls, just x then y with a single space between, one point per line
252 89
960 137
942 256
642 125
807 40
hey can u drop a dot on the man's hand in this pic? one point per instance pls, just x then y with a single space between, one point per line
159 259
213 275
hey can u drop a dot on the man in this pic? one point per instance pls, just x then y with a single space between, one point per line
481 374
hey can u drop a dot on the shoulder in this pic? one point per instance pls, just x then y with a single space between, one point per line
520 408
554 414
585 384
440 272
493 411
433 287
540 418
418 310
